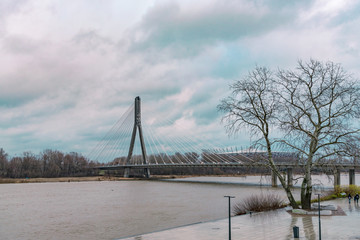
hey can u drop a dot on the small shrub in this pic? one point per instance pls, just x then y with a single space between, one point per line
259 203
333 196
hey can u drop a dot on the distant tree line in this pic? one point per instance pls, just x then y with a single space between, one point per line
54 163
49 163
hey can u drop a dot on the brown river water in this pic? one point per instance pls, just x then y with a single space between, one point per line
116 209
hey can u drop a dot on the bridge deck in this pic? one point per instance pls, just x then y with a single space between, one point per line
243 165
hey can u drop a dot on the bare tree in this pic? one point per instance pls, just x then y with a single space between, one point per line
314 107
3 162
319 102
15 167
351 151
31 166
254 105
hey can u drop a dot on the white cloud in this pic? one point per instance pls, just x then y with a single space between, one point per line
325 10
183 97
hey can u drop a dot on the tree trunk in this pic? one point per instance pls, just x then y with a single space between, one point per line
287 189
306 191
273 168
291 198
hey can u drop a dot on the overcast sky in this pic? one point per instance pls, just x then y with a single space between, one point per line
70 69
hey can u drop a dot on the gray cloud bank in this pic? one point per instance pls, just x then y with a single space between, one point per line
70 69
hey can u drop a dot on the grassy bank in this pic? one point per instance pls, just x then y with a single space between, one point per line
61 179
79 179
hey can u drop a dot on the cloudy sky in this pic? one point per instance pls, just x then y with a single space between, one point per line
70 69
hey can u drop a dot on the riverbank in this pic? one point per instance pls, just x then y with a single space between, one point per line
321 182
61 179
98 178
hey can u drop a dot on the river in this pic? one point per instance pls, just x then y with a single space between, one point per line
113 209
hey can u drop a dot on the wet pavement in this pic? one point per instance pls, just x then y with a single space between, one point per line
269 225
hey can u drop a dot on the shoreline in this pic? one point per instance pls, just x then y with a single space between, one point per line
171 178
105 178
60 179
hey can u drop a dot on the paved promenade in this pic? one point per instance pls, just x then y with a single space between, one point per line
269 225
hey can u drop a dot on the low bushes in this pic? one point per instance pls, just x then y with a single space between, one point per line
259 203
326 197
352 189
271 201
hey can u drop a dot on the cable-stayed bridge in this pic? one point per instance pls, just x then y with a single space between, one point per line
136 144
133 143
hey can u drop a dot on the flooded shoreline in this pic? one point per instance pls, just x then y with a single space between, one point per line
110 209
116 208
248 179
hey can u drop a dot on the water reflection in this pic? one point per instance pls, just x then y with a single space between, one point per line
293 223
308 227
265 217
